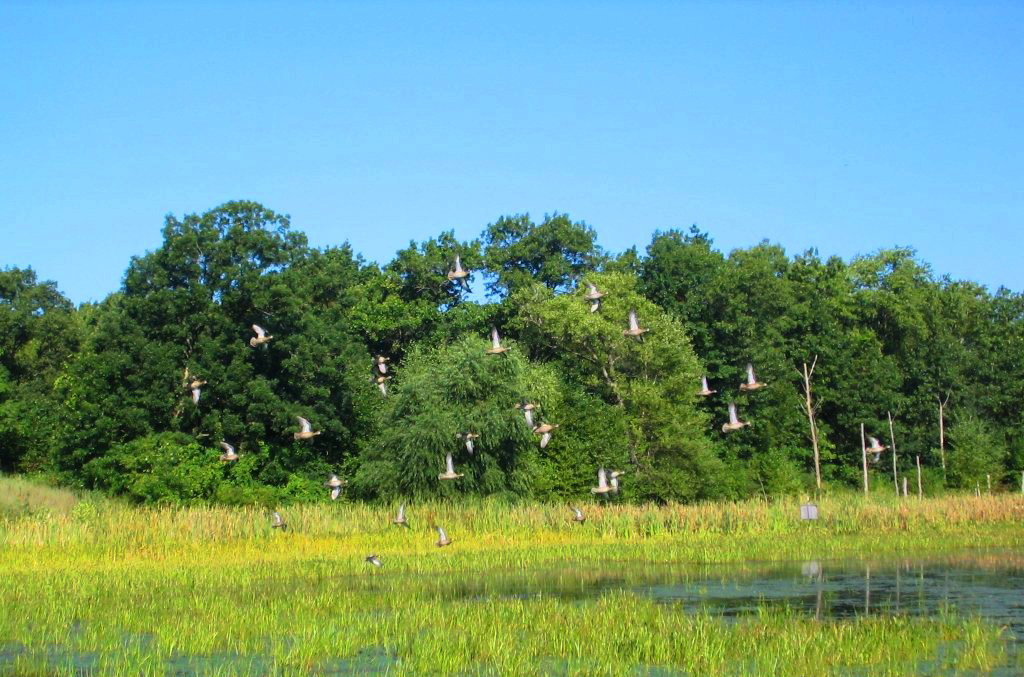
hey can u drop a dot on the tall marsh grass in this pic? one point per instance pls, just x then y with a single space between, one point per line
111 589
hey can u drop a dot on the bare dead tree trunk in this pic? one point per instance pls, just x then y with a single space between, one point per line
920 493
892 442
808 404
942 433
864 458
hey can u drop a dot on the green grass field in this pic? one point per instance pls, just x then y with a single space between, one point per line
96 586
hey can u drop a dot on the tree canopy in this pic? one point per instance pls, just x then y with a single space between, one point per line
101 396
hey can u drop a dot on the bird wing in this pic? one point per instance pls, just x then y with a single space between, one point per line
495 338
704 383
577 512
401 511
632 320
449 463
227 447
733 418
602 478
751 379
529 417
259 330
458 264
305 424
335 492
195 395
544 439
441 534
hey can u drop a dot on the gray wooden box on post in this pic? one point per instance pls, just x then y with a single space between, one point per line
808 511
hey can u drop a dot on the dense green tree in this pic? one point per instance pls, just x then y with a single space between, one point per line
555 252
38 335
652 381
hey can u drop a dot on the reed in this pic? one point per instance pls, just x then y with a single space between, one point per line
113 589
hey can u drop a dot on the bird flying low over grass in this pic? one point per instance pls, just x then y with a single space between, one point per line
306 432
442 538
577 515
602 483
277 522
752 382
229 454
449 473
635 330
734 420
400 520
334 483
261 337
373 559
875 447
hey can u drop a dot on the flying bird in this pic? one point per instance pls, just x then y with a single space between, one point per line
277 522
468 439
635 330
382 384
602 483
229 454
496 347
449 473
373 559
261 336
195 385
577 515
335 484
459 275
875 447
544 430
734 421
594 296
442 537
528 409
704 390
306 432
400 520
752 382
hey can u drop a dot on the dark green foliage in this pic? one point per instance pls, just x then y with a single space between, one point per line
977 451
554 253
98 395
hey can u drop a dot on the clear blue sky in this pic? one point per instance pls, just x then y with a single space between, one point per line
845 126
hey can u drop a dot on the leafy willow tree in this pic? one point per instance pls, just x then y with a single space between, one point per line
651 383
554 253
39 333
443 391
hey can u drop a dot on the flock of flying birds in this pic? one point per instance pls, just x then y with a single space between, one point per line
607 482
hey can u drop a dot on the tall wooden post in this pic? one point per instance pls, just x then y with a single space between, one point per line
892 443
810 417
920 493
864 458
942 433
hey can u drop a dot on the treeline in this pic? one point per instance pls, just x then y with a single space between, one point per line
97 396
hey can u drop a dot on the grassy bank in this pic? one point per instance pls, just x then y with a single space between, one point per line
118 589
